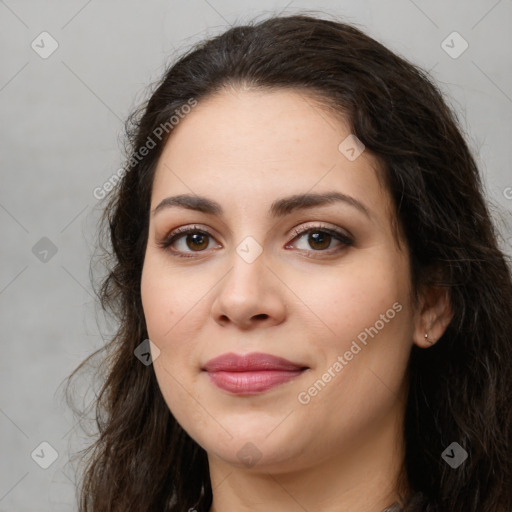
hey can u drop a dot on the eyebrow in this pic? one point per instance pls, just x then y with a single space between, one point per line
279 208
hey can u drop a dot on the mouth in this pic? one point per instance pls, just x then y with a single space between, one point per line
250 374
251 383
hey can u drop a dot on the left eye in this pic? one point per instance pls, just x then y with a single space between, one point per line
319 239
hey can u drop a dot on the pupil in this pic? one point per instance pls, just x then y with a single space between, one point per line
319 238
196 244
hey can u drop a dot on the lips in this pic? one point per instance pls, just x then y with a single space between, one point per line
251 373
255 361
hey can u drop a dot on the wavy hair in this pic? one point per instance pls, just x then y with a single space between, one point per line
459 389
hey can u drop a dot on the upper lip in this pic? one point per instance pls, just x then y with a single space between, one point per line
255 361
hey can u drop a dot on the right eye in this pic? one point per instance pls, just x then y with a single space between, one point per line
190 237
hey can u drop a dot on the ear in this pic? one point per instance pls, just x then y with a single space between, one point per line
432 317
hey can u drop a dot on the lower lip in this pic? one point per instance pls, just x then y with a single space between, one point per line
250 383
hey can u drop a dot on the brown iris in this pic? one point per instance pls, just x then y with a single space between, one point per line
197 239
321 238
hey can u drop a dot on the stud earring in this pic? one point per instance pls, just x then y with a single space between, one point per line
426 339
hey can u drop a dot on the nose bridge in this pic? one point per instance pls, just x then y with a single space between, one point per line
247 259
245 292
248 266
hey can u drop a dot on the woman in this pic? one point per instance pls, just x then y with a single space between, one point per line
302 250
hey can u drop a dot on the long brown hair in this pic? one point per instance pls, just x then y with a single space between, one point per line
459 389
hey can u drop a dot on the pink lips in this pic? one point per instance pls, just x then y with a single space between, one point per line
251 373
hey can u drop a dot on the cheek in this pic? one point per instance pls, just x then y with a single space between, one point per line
165 306
168 300
168 311
360 315
344 302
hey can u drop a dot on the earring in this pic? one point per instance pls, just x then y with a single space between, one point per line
426 339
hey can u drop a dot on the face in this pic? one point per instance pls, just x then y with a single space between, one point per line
319 283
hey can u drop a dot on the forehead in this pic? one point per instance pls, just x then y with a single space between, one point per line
240 145
245 126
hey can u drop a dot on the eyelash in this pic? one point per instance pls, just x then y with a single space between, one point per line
180 232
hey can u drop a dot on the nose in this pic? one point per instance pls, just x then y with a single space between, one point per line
250 295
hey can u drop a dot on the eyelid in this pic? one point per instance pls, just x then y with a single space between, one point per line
320 226
345 238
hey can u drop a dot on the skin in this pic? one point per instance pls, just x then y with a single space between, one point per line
298 299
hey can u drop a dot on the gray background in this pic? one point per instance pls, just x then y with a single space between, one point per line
62 118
